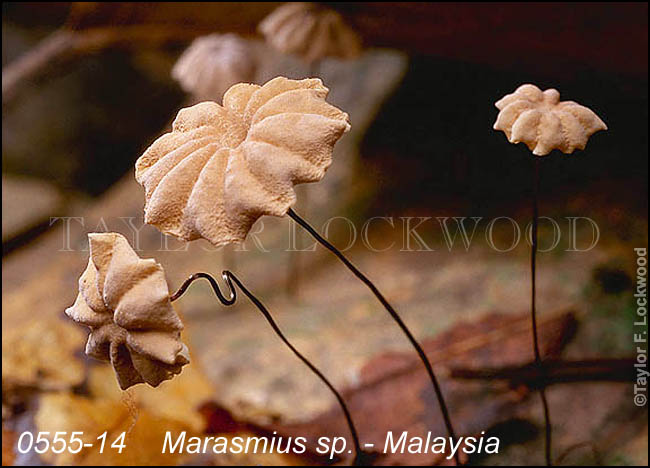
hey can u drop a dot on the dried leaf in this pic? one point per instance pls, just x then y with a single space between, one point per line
395 393
40 353
8 445
144 438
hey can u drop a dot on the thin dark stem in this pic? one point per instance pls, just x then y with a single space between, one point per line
393 313
533 261
533 315
361 457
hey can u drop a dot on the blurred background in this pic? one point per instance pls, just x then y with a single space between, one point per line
86 89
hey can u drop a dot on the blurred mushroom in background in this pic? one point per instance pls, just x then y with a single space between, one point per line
213 63
311 32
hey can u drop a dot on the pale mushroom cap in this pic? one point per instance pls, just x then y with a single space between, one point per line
543 122
310 31
213 63
222 167
125 301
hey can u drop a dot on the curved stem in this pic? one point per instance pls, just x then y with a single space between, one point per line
538 357
361 457
393 313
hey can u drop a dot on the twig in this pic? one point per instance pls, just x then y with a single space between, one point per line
53 47
554 371
64 44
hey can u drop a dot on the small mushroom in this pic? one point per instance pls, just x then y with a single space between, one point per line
125 302
543 122
310 31
222 167
213 63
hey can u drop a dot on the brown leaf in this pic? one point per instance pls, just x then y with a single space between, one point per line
145 432
8 444
395 393
41 353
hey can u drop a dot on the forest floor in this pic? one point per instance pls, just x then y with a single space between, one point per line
450 299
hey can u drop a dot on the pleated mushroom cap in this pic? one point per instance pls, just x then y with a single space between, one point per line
543 122
125 301
213 63
222 167
310 31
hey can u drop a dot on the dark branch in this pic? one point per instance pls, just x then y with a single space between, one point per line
554 372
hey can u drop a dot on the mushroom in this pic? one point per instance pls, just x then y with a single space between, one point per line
310 31
543 122
222 167
125 302
213 63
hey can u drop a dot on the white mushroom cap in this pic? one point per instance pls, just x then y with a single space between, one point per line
125 302
543 122
213 63
310 31
222 167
